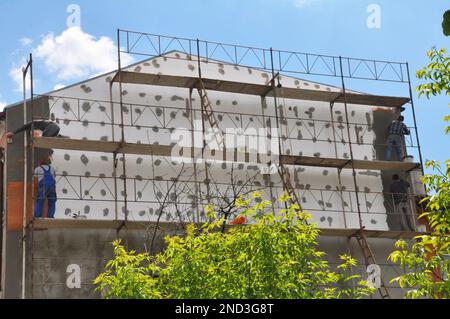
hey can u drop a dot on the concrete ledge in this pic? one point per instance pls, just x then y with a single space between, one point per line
44 223
51 223
390 234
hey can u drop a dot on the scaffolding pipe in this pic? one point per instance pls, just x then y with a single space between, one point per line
194 155
339 170
208 193
280 148
25 177
350 144
414 118
276 106
122 128
25 174
269 151
116 209
32 172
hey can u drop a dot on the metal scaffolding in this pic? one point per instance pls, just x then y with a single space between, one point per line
276 62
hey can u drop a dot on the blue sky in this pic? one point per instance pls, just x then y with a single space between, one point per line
337 27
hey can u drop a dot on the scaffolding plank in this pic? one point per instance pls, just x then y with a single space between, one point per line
258 89
55 223
147 149
314 161
168 150
373 100
102 146
385 165
344 163
75 144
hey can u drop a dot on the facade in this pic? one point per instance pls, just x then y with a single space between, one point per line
125 166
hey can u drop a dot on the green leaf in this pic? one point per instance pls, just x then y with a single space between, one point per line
276 256
446 23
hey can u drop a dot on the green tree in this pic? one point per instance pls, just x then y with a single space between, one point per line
437 77
426 261
126 276
276 256
446 23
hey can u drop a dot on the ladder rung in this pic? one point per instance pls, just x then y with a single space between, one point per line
206 106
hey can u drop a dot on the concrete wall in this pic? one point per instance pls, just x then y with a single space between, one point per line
381 248
56 250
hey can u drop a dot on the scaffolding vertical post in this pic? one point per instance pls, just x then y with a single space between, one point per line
111 105
203 125
269 164
280 164
414 118
114 161
193 154
25 173
25 176
119 68
32 171
122 128
276 107
198 60
350 143
339 170
333 129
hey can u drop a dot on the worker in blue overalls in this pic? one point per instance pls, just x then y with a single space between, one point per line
46 188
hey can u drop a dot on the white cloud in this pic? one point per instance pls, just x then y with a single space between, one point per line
2 104
25 41
58 86
16 74
76 54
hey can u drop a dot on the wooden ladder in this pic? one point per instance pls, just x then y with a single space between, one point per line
287 185
370 259
208 111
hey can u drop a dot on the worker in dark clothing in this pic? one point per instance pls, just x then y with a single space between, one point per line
396 131
48 128
402 211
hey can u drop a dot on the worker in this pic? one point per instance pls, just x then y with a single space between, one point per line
48 128
46 188
396 131
402 212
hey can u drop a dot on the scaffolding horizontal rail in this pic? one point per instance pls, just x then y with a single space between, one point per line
228 155
258 89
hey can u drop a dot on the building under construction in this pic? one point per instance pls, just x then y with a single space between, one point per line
148 146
